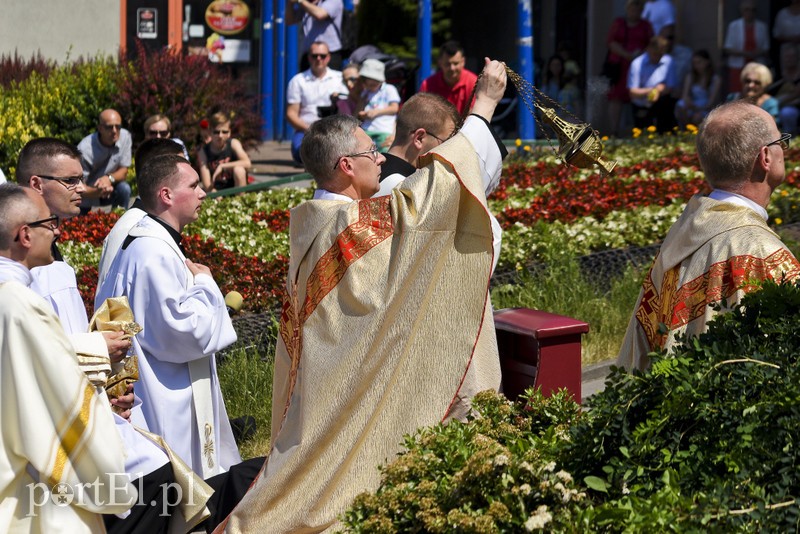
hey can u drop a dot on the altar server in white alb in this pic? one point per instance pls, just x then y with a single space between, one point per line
61 461
184 320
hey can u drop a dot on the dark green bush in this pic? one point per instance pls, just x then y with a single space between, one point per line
705 441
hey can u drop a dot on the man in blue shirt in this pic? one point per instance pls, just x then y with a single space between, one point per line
650 80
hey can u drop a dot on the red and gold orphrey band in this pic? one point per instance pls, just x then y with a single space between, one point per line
677 307
374 225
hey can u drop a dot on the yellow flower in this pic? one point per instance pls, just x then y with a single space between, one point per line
691 128
518 142
651 129
637 132
604 138
784 193
778 220
526 148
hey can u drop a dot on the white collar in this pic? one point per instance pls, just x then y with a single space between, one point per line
14 270
324 194
739 200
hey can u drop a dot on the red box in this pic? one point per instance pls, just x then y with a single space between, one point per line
539 349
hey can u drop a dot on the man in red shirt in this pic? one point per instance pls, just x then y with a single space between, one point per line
452 81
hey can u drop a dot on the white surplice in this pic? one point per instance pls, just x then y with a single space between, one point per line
184 323
55 428
113 241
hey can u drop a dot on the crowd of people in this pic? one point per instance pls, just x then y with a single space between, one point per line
387 325
668 85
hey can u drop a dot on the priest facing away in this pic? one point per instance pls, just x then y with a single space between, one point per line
387 326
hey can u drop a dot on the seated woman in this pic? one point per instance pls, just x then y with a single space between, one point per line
755 80
380 101
223 161
159 126
700 91
348 104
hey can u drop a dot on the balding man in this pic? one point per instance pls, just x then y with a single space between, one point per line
722 241
58 436
105 158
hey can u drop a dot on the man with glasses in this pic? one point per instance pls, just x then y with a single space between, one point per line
105 158
722 242
45 397
387 325
425 122
310 90
51 168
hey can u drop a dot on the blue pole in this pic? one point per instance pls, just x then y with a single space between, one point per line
292 66
280 69
424 42
525 49
267 105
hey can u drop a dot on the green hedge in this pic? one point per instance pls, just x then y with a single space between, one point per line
705 441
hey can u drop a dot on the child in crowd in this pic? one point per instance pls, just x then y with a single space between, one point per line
381 102
223 161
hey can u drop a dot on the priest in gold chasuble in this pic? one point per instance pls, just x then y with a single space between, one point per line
721 245
388 325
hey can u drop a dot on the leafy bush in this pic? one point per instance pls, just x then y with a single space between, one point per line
705 441
64 103
16 69
187 89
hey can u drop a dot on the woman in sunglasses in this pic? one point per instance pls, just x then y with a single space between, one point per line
158 126
223 161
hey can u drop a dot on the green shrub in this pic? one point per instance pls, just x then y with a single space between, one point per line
64 104
705 441
187 89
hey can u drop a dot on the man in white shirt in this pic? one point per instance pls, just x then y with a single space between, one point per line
105 158
651 78
310 90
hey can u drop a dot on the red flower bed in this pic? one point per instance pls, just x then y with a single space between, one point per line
567 198
91 228
277 220
261 283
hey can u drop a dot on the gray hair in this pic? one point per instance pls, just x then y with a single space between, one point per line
16 207
729 140
326 142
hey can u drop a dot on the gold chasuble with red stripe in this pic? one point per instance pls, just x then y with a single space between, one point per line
387 328
715 252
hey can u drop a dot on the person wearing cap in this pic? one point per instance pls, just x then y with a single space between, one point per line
381 102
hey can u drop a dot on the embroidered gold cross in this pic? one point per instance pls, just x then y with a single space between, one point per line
208 448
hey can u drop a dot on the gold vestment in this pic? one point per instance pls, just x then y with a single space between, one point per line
713 253
388 328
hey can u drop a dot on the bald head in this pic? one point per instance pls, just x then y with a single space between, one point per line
109 125
18 206
729 141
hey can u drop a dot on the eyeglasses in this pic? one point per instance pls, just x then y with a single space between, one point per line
70 182
455 130
221 132
372 154
748 81
111 126
51 223
318 56
783 141
158 133
351 79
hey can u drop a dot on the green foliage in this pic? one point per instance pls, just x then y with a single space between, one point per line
392 25
560 286
64 103
187 89
704 441
245 376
